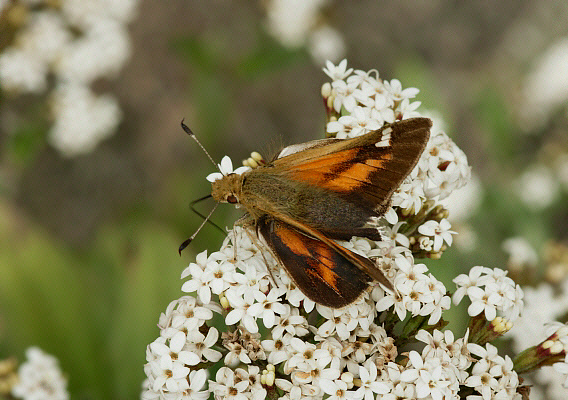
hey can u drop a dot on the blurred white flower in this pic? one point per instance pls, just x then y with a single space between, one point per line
326 43
462 203
562 367
537 187
40 378
521 254
76 43
101 51
546 86
542 305
82 120
297 23
561 169
20 71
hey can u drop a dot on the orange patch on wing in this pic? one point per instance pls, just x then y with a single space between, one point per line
292 240
321 267
314 171
349 179
355 176
325 270
378 162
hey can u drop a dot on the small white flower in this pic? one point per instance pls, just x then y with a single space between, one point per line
344 96
267 306
169 372
440 231
408 109
370 385
338 321
218 273
226 168
303 356
197 380
464 282
240 313
358 123
277 349
410 195
338 72
394 88
336 389
199 281
237 354
483 302
293 323
200 344
492 375
227 387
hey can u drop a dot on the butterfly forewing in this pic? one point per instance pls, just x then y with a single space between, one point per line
366 170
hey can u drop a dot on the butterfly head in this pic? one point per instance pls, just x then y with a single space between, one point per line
227 189
226 185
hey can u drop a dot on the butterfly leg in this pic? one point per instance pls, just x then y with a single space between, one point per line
248 225
256 240
244 222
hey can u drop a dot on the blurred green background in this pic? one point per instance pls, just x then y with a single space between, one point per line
88 244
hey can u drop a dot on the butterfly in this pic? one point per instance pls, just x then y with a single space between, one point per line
316 193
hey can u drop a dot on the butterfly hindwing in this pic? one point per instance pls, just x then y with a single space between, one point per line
332 279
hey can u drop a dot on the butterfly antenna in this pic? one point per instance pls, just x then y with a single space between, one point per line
192 206
187 241
191 134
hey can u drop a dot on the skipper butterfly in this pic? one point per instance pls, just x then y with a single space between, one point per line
315 193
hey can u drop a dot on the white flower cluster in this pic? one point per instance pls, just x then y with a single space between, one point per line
279 344
181 345
76 43
40 378
492 375
419 292
490 290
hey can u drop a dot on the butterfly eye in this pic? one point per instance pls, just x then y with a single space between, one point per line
232 199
